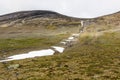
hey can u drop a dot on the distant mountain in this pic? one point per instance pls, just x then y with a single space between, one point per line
106 22
94 55
37 22
109 19
20 17
49 22
33 14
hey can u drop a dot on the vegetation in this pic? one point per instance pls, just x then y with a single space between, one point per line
93 58
21 45
96 56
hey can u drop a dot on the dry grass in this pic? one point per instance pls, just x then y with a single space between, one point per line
93 58
22 45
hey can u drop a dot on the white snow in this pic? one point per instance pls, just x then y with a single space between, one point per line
71 38
67 40
31 54
76 35
63 43
45 52
59 49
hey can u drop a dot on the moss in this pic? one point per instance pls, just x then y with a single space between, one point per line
19 44
96 60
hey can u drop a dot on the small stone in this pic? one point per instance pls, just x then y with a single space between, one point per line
15 66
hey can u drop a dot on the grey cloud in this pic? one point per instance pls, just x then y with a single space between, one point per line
75 8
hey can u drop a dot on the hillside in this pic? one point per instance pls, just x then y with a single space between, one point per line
94 56
106 22
21 32
34 23
33 14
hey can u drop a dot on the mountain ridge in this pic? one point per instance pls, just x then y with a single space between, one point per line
48 22
34 13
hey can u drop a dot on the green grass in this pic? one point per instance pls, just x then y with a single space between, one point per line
93 58
19 45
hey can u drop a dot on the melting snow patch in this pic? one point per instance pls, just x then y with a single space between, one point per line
59 49
30 55
63 43
76 35
68 40
71 38
46 52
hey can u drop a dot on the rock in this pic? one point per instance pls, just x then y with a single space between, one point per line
15 66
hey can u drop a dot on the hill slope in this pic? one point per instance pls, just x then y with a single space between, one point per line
32 23
106 22
94 57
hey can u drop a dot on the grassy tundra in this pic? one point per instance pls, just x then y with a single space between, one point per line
93 58
96 56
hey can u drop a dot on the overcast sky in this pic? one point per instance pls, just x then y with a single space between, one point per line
75 8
